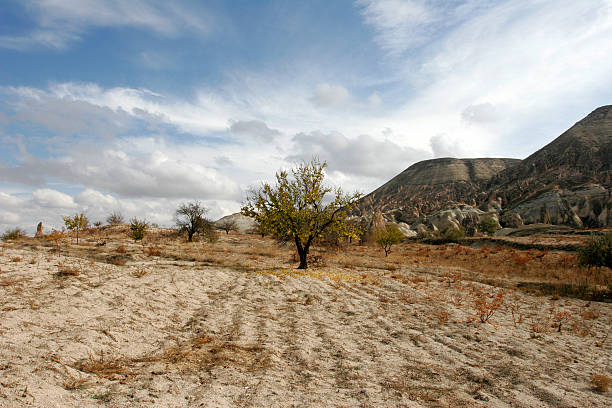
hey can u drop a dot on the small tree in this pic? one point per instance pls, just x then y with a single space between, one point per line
295 207
138 229
115 218
227 225
77 222
389 237
189 218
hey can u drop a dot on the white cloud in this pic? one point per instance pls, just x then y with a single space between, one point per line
330 96
9 201
480 113
47 197
444 146
255 129
401 24
93 198
60 23
9 218
361 156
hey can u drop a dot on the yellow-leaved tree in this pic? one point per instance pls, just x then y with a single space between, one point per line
77 223
296 208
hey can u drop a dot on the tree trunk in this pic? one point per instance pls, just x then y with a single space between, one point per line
302 252
189 236
77 231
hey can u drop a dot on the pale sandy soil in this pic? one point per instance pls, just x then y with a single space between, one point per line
186 334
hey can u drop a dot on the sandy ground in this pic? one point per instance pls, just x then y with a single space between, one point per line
172 333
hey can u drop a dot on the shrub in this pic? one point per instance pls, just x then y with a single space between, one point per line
138 229
601 383
488 225
453 235
597 252
13 234
485 304
389 237
115 218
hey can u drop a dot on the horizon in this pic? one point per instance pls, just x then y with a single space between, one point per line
136 107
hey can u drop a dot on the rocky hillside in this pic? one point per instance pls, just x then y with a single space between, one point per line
569 181
433 185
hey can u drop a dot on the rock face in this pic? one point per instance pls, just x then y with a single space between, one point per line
569 182
433 185
39 230
463 217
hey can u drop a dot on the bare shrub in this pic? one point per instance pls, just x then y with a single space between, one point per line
485 304
115 218
13 234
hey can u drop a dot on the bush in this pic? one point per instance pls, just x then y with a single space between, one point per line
13 234
390 236
138 229
453 235
598 252
115 218
449 235
488 225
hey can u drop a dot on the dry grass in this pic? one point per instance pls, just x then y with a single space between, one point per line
75 383
153 251
140 272
66 271
601 383
235 319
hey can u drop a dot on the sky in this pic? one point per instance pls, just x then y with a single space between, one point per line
138 106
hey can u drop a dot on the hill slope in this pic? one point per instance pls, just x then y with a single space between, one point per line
432 185
569 181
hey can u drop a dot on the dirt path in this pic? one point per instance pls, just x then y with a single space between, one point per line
187 335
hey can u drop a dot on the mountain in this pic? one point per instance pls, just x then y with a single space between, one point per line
568 181
433 185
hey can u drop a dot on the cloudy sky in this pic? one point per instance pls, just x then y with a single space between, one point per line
136 106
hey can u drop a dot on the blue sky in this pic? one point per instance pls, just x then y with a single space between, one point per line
137 106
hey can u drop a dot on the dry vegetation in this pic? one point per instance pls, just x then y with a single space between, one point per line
164 323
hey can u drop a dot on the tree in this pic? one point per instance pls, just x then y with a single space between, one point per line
389 237
227 225
115 218
189 218
138 229
294 208
77 223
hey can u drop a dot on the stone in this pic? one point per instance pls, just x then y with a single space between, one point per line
39 230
